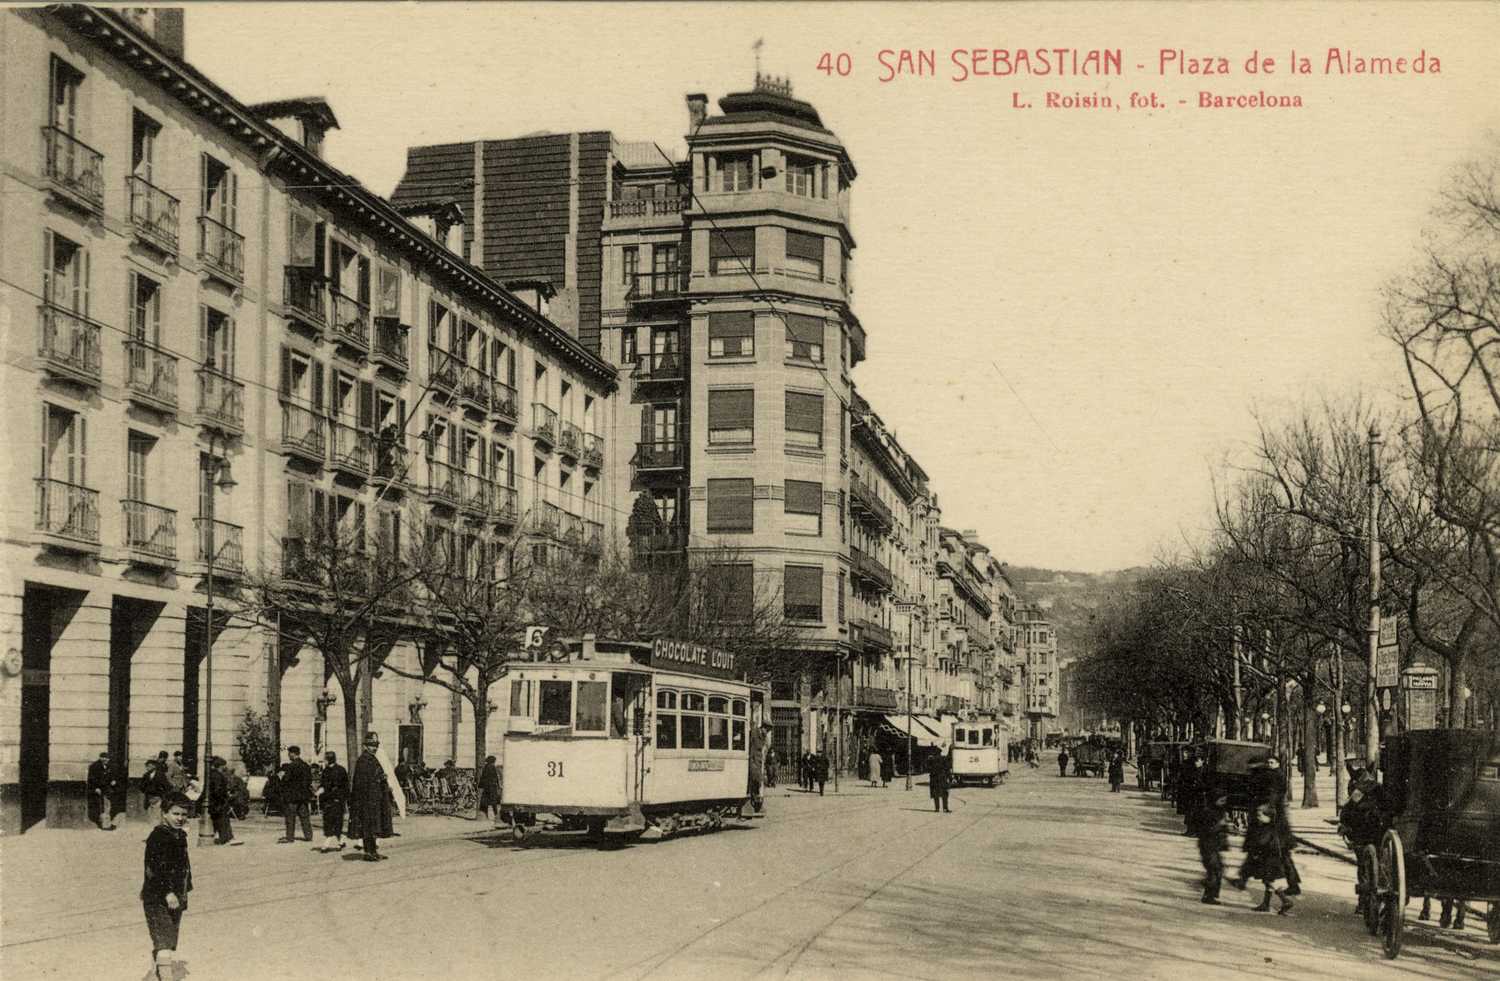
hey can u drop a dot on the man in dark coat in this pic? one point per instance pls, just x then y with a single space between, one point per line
489 790
101 788
367 798
1268 789
218 801
333 795
1190 790
939 774
1062 762
295 788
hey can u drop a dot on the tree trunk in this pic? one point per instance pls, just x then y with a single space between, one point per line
1310 724
481 723
351 720
1456 706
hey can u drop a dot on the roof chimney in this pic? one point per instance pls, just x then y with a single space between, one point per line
697 104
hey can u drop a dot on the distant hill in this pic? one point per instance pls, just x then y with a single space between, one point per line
1071 599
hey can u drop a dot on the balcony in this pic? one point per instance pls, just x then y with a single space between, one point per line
871 635
225 541
67 515
651 457
150 534
68 345
572 529
664 285
303 434
150 376
543 424
648 207
391 462
660 540
569 441
349 322
881 699
443 371
390 344
221 249
297 565
474 389
864 503
870 569
593 537
657 374
75 169
221 402
593 451
444 483
305 296
351 450
474 493
503 505
546 519
505 406
153 215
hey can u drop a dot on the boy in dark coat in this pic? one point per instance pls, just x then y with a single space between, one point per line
333 794
1263 861
1212 826
168 880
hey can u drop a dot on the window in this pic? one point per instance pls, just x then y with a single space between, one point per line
390 292
692 724
630 264
731 335
718 722
735 590
802 176
64 455
804 421
731 251
137 450
221 186
62 104
628 353
665 502
804 337
735 171
504 362
842 587
143 135
731 416
804 255
216 341
555 704
520 699
145 316
666 719
804 507
438 329
65 274
737 730
803 592
664 273
730 505
593 706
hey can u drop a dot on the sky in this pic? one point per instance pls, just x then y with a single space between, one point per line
1073 314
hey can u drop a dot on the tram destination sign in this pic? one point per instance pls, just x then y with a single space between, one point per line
680 655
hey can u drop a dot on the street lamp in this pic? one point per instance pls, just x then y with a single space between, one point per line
219 475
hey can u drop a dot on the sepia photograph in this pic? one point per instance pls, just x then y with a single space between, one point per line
809 490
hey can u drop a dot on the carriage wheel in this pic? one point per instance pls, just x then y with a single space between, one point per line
1393 868
1369 888
518 833
1492 917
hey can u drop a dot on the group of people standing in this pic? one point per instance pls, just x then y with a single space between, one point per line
1268 835
813 770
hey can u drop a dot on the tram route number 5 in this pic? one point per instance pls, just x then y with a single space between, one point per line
835 64
554 768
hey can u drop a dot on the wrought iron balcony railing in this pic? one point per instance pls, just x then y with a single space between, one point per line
154 214
474 492
351 449
443 370
67 510
664 284
671 538
222 249
572 529
150 374
150 531
391 342
305 295
667 366
593 451
474 388
543 424
221 401
391 460
503 507
864 502
444 482
349 320
659 456
569 440
303 432
504 403
228 545
593 537
74 167
869 568
68 344
546 520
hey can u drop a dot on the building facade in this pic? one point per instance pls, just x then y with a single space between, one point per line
1037 648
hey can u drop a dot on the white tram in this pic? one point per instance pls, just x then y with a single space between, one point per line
626 737
979 752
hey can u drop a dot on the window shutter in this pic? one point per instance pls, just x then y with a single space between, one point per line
82 306
205 195
286 371
804 413
803 586
205 349
364 281
366 406
317 386
731 409
739 589
801 327
740 323
390 292
302 248
296 507
320 248
401 421
732 244
731 506
232 211
804 497
802 245
229 348
49 285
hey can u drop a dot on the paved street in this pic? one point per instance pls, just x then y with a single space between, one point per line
1041 878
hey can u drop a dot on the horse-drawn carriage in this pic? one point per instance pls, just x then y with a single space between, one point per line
1226 773
1440 800
1150 765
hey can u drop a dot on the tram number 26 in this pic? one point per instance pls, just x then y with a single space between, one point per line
554 768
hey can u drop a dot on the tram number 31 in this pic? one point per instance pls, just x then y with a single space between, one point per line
554 768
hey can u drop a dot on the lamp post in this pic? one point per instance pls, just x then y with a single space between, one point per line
1321 708
218 476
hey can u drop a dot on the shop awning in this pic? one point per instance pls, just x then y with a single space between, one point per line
919 732
940 729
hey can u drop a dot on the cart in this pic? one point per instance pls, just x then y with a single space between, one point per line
1150 766
1442 796
1226 773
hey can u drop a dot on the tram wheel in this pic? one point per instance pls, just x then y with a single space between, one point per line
1369 888
1393 864
1492 916
989 781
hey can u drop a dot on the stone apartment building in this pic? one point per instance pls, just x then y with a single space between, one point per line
193 291
1037 649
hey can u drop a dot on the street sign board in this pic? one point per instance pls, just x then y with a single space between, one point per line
1387 631
1421 709
1388 666
1422 682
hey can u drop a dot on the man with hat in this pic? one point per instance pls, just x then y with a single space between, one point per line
101 787
367 798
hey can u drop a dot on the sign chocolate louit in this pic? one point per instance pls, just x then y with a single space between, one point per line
693 658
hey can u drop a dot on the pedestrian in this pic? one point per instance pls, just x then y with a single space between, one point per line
1212 826
218 801
1116 773
804 771
771 762
177 774
1263 861
367 798
887 769
1062 762
295 789
938 774
155 788
333 797
489 790
1190 790
820 770
1268 787
875 763
757 765
168 880
101 790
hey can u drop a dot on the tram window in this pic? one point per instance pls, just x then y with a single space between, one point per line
719 704
718 732
692 701
556 704
739 706
988 738
520 699
666 700
973 737
737 734
666 730
593 706
692 731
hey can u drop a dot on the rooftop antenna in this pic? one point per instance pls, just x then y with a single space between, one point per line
760 42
